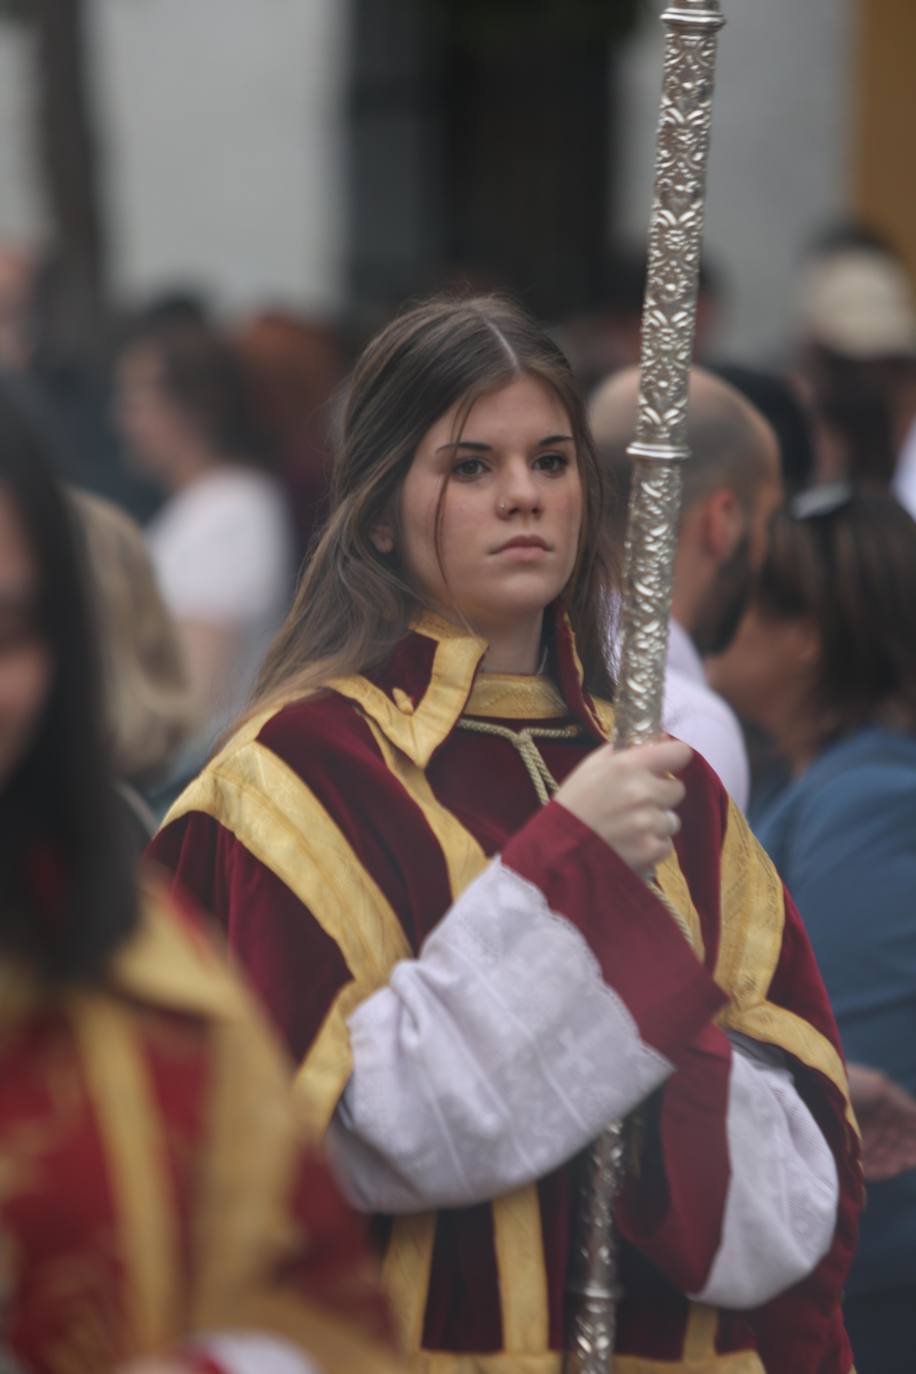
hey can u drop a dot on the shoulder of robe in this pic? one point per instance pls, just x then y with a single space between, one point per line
169 961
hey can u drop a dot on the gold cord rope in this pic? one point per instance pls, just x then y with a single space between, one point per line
545 784
524 743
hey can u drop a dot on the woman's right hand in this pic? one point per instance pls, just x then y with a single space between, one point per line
629 799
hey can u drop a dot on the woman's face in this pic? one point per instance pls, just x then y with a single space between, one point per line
154 428
768 671
511 508
25 659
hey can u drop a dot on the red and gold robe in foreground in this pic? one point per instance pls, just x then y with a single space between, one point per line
155 1194
332 836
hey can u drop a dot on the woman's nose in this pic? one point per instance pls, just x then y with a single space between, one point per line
519 492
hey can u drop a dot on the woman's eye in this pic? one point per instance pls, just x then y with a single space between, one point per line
468 468
552 462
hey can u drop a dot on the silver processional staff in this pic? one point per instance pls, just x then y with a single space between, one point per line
657 452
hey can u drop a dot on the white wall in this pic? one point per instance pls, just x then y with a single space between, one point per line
781 136
220 123
22 214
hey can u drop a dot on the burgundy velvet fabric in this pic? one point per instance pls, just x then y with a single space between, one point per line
670 1216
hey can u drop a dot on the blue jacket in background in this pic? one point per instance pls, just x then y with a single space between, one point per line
843 836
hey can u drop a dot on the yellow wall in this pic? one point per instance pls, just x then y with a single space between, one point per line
884 150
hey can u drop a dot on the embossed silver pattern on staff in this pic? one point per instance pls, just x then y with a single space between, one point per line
658 449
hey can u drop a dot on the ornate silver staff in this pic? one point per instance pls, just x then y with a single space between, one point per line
659 448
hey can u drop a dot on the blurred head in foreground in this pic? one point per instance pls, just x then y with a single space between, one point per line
148 697
66 882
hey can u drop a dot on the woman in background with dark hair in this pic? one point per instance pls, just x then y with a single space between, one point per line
156 1209
826 661
222 544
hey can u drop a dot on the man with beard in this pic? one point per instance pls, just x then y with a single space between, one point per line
732 486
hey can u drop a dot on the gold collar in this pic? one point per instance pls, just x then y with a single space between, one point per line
418 725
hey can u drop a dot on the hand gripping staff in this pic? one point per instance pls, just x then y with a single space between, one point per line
657 452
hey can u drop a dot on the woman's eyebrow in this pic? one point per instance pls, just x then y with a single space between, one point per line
477 447
465 443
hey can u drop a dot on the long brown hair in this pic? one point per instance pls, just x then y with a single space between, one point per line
353 604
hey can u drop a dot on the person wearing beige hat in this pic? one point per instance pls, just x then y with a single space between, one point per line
857 315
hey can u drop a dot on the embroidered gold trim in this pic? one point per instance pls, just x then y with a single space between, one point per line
420 733
323 1073
252 1149
702 1326
405 1274
522 1268
752 915
517 1231
675 893
464 858
129 1124
751 924
278 819
511 697
595 708
163 964
776 1026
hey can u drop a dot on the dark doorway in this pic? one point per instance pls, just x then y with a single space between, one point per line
480 148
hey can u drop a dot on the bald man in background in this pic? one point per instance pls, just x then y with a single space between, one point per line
732 486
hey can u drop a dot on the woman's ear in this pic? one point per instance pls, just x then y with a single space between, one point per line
382 536
723 523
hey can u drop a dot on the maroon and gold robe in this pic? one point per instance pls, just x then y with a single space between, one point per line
154 1186
331 836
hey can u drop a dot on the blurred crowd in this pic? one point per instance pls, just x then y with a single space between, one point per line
197 451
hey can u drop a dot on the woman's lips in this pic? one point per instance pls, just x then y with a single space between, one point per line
525 548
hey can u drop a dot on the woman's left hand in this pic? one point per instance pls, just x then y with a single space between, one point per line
887 1117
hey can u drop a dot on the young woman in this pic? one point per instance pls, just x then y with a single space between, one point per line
432 867
826 661
155 1204
222 544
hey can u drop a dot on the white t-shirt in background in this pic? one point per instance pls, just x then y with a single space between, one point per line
702 718
223 552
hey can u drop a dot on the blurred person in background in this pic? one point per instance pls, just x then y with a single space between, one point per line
608 337
222 543
295 367
732 486
18 270
149 709
826 661
60 367
858 358
159 1210
779 402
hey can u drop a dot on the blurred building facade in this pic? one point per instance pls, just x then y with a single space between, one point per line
341 154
